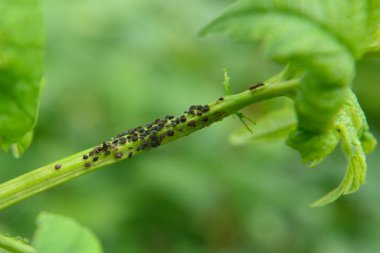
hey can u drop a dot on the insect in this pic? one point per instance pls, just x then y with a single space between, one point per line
255 86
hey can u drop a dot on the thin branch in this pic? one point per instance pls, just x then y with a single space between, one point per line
108 153
15 245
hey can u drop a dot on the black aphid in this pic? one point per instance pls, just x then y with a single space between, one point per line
118 155
221 99
95 158
130 155
255 86
205 108
57 166
91 153
170 132
205 119
191 123
182 118
87 164
107 152
85 157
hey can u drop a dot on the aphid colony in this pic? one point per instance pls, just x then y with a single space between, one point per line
149 136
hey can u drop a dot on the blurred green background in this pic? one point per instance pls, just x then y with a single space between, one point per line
112 65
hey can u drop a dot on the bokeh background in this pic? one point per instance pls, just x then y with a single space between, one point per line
112 65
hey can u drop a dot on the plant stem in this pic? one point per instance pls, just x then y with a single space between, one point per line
73 166
15 245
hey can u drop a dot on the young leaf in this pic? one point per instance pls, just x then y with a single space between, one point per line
352 128
21 69
59 234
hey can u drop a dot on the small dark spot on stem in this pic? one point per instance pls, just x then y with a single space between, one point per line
95 158
130 155
191 123
255 86
170 132
85 157
87 164
57 166
118 155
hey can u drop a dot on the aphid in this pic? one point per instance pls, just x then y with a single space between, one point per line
139 148
170 132
205 119
95 158
199 107
91 153
135 138
205 108
87 164
57 166
118 155
255 86
130 155
182 118
85 157
221 99
115 141
107 152
199 113
191 123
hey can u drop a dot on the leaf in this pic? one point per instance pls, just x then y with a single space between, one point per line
352 127
59 234
373 50
21 69
271 127
316 37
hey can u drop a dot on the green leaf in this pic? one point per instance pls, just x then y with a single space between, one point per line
271 127
373 49
353 130
21 69
317 39
59 234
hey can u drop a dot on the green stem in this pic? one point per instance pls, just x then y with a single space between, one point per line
73 166
15 245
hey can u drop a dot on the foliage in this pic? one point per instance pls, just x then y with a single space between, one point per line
21 67
56 233
199 205
322 47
